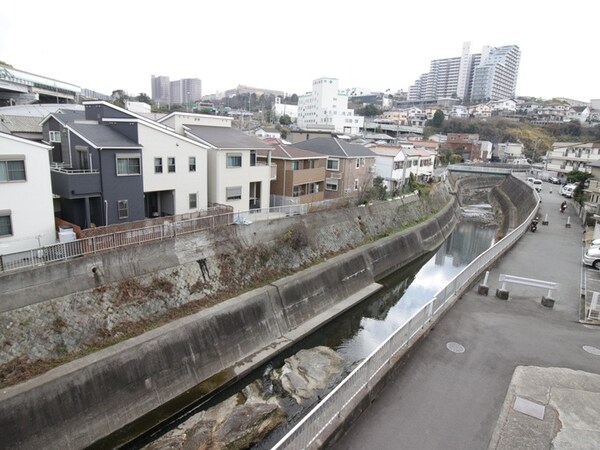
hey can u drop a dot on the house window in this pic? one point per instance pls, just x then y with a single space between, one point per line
333 164
12 170
192 163
158 167
295 165
357 163
5 224
298 191
356 184
55 136
309 164
331 185
171 165
123 207
314 188
128 165
234 193
234 160
193 201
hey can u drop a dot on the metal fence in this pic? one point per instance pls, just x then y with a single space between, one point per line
167 230
319 423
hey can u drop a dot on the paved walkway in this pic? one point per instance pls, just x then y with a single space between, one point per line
529 375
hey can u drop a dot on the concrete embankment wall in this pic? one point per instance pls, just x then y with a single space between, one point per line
78 403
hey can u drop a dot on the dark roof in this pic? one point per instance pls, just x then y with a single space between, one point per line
66 117
102 136
226 138
291 152
335 147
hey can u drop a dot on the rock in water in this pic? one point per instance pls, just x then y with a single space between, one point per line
309 371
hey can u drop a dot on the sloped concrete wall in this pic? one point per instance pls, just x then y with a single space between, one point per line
81 402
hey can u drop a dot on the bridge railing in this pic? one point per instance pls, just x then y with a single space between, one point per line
316 427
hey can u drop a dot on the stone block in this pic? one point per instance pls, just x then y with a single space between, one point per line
483 289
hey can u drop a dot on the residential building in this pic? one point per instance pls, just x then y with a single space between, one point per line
186 91
25 120
114 166
235 176
396 164
458 112
326 107
243 89
466 143
508 152
480 111
350 167
161 90
26 209
280 109
265 132
491 74
495 77
505 105
138 107
300 175
566 157
486 149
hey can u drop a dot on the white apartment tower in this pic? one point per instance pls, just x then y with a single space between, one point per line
326 107
491 74
160 90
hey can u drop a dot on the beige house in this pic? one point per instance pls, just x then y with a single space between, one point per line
350 167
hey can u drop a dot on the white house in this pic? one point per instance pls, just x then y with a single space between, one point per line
26 209
280 109
235 177
326 107
481 110
505 105
508 151
268 133
395 164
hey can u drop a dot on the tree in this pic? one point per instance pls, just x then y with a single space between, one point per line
369 110
438 119
119 97
285 120
144 98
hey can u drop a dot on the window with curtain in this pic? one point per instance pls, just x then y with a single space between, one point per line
128 166
12 170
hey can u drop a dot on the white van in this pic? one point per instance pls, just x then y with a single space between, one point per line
537 185
568 190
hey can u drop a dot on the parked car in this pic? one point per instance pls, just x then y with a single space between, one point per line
537 185
592 257
553 180
568 190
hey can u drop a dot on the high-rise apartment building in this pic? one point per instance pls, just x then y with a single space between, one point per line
491 74
160 90
184 91
326 107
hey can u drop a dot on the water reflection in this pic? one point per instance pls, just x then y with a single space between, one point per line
408 290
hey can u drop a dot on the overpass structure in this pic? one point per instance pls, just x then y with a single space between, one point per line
19 87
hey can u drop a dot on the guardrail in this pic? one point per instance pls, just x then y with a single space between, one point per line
168 230
315 428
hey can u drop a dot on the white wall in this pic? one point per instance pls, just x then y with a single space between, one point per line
30 201
160 144
177 120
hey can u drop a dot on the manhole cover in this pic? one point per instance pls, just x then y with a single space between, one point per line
455 347
592 350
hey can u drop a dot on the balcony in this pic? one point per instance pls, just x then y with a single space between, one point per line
304 176
74 183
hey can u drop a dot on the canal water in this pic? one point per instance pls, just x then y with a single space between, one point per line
359 331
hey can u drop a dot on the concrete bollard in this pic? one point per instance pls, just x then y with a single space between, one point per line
568 224
545 221
547 302
483 287
502 294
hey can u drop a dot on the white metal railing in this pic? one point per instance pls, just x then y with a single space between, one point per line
313 428
167 230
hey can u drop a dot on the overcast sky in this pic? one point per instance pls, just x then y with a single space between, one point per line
284 45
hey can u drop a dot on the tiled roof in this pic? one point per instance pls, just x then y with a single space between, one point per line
291 152
20 124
